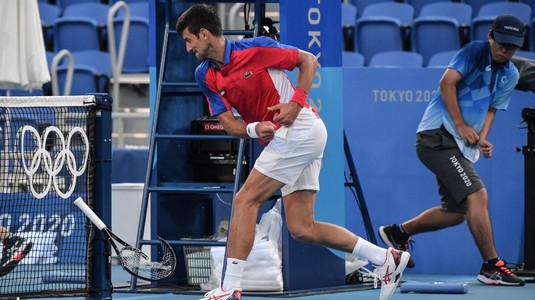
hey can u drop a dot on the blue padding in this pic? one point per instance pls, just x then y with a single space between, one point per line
434 287
63 277
129 165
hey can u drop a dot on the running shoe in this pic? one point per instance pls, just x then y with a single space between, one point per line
219 294
390 272
387 236
499 274
13 251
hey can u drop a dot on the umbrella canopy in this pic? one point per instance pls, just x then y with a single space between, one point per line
23 64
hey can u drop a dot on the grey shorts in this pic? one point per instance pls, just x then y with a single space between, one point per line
456 176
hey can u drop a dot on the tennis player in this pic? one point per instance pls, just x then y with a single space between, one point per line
14 249
249 76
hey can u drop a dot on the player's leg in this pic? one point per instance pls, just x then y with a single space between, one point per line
299 213
478 220
439 152
389 263
255 191
493 270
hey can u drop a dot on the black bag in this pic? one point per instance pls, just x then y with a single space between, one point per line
526 68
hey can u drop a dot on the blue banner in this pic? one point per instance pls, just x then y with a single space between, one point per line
56 228
313 26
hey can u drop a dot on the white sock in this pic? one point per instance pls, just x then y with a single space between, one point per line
375 254
233 273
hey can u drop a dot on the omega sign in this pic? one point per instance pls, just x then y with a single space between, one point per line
213 127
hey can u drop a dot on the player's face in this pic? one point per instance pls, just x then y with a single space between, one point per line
501 52
196 45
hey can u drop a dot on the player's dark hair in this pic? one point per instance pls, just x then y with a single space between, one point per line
197 17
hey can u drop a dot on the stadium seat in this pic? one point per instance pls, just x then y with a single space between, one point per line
476 4
441 59
91 72
83 80
92 10
361 4
384 26
349 21
396 59
63 4
418 4
531 4
90 75
352 59
441 26
99 61
75 34
349 14
488 12
136 58
48 14
137 9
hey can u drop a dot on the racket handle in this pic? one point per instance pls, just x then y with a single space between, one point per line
89 213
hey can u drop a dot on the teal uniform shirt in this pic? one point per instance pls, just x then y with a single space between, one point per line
484 84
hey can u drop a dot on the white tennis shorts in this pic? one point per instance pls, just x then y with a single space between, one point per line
294 156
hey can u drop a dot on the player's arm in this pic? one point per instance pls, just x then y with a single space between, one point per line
483 144
448 90
262 130
287 112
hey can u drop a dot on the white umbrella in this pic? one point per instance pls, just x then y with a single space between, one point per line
23 64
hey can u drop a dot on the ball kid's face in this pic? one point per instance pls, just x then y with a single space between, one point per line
501 52
196 45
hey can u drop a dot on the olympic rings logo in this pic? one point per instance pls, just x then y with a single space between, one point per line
52 166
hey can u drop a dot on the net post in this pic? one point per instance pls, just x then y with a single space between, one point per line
102 285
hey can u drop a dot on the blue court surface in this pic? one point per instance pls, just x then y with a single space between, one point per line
475 290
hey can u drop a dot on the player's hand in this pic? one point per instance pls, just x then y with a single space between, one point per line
285 113
266 131
485 147
468 134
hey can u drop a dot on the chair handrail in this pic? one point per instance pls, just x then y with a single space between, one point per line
117 57
70 72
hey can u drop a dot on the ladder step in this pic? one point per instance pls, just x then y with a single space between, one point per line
190 190
194 137
239 32
180 87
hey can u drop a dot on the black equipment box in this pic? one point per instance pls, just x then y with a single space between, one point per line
211 126
215 168
213 160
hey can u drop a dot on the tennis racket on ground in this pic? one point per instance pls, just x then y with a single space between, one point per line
133 260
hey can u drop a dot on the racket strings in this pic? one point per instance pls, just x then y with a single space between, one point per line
136 262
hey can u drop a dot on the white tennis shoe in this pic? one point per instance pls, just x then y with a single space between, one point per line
219 294
390 272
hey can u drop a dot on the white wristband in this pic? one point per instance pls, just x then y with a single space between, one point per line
251 130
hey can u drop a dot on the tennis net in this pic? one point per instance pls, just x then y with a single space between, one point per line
47 159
